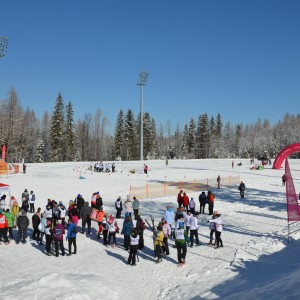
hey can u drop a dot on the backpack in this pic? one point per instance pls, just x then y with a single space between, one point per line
58 234
74 230
211 198
40 227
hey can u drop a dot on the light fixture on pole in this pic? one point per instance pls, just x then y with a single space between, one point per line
142 82
3 45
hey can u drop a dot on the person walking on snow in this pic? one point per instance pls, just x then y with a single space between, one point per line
167 233
159 242
180 198
127 231
99 217
186 201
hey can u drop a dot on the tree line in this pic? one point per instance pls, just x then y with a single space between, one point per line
58 137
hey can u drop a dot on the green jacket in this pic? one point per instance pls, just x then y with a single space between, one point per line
10 218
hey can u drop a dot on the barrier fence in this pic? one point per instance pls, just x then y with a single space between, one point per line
170 188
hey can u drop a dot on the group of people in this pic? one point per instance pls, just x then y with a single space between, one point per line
51 225
189 203
104 167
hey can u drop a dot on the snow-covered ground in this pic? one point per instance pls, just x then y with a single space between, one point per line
256 262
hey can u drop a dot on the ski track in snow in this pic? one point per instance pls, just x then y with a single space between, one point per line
254 237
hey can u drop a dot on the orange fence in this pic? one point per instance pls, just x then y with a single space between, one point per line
170 188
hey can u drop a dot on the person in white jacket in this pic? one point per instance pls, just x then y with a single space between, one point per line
219 228
193 223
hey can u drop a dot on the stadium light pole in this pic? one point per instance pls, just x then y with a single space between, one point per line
142 82
3 45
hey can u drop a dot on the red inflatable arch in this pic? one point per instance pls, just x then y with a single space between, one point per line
284 153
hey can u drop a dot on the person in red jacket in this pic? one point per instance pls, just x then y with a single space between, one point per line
180 198
3 228
186 201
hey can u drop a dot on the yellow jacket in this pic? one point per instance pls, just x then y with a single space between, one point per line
159 239
15 210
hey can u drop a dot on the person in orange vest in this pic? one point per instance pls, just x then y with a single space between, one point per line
3 228
211 201
100 216
186 201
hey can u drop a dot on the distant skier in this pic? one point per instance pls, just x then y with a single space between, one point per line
218 181
283 178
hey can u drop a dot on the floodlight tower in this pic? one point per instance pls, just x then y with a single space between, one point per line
142 82
3 45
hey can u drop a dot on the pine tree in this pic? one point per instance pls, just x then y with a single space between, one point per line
57 141
130 136
40 152
70 135
185 145
191 139
119 153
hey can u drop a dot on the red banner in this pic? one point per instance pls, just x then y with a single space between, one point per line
3 152
293 211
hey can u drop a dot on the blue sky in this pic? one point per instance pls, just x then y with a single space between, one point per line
239 58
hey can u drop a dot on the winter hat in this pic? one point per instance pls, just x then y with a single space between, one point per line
163 220
159 228
23 212
60 203
25 190
7 210
87 203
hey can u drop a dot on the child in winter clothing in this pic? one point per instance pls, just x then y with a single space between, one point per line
119 208
134 244
35 224
100 216
193 222
48 235
169 216
192 206
159 242
135 206
180 241
167 233
42 227
10 219
202 201
127 230
3 227
71 236
212 227
15 210
219 228
112 228
211 201
58 236
140 227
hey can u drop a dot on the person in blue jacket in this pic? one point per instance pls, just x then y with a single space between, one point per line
127 231
71 236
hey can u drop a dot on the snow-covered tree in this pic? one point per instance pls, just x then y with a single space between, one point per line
57 140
